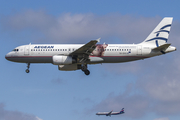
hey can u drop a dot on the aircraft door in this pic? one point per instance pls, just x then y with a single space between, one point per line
139 50
26 50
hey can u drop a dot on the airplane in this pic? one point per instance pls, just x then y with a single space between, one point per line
111 113
69 57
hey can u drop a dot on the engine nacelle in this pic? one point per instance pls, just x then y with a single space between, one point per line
69 67
62 60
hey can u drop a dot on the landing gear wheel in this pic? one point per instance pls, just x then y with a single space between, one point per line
27 70
87 72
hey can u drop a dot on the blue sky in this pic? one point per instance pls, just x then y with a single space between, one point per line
147 89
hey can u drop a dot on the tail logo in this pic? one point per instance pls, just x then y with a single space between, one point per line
158 32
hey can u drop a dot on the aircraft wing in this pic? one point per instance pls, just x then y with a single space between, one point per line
109 114
86 49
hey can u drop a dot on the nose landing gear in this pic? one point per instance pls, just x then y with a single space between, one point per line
28 66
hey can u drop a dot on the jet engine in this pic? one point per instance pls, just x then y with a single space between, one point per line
62 60
69 67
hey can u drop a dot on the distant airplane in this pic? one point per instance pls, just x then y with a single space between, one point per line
70 57
110 113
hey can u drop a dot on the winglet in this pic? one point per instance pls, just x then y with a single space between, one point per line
98 39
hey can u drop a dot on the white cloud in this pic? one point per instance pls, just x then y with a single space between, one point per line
15 115
165 118
79 28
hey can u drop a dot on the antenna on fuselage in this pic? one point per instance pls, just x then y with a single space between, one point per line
98 39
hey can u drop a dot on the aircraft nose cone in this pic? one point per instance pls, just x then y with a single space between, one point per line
7 56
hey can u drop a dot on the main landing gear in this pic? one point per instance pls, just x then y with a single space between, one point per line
85 70
28 66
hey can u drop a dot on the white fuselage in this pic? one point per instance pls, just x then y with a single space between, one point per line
111 53
110 113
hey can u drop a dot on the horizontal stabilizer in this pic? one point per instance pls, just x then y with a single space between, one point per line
161 48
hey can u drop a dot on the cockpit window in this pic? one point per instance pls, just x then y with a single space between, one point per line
15 50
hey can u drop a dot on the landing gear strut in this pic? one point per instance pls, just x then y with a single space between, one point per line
28 66
84 69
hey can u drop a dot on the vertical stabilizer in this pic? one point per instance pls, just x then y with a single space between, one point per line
160 34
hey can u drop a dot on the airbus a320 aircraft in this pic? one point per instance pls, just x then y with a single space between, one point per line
110 113
70 57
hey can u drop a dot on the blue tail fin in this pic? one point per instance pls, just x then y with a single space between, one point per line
122 111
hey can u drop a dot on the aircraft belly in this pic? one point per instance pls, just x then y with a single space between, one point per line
31 59
119 59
